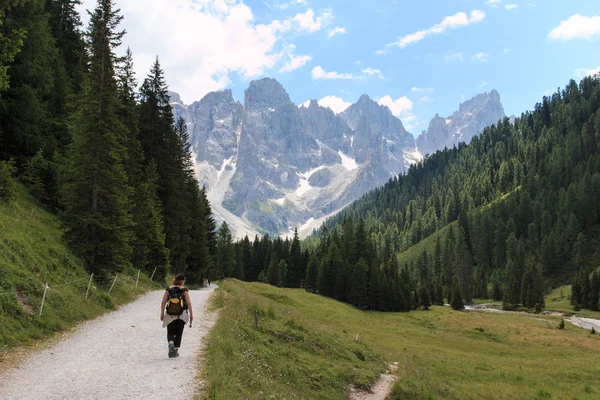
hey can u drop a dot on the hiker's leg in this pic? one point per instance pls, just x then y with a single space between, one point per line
178 326
171 332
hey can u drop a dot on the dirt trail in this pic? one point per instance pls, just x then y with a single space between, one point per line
121 355
381 390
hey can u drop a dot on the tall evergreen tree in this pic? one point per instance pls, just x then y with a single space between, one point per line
96 194
225 250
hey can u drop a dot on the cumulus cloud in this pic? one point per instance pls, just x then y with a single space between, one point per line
336 104
482 57
401 106
576 27
510 6
309 23
295 62
200 43
319 73
372 71
336 31
450 22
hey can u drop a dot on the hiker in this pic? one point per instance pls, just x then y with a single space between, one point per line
175 312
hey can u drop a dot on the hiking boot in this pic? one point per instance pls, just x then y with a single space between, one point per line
172 350
176 353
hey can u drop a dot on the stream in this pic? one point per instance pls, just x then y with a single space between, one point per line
585 323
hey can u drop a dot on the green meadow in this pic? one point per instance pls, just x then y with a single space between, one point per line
305 347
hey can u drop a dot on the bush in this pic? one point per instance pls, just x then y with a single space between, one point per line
7 180
562 324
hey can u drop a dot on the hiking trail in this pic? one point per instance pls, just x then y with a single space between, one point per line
120 355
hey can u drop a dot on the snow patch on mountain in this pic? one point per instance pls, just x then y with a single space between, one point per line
348 163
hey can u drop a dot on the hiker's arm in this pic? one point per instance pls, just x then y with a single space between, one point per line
189 304
162 305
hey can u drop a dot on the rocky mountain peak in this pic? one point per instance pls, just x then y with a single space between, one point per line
471 118
265 93
220 96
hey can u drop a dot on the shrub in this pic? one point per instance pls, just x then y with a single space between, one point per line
562 324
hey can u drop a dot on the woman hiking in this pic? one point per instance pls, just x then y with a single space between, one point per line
175 312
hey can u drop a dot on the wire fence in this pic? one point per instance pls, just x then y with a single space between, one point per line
89 279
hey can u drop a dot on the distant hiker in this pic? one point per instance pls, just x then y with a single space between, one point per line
208 280
175 312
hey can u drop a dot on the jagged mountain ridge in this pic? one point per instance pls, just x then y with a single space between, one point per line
270 166
469 120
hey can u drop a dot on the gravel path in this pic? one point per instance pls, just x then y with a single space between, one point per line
121 355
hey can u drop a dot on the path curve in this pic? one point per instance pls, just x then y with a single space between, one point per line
121 355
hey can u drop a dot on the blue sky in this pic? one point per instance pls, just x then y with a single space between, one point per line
418 57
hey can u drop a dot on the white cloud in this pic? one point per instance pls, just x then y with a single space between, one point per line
319 73
425 99
576 27
402 105
357 62
483 57
450 22
309 23
482 85
336 31
415 89
493 3
372 71
511 6
506 50
336 104
453 56
295 62
200 43
285 6
382 52
583 72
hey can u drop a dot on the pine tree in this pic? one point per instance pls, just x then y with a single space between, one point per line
424 298
312 275
464 266
11 40
456 301
148 240
24 106
166 147
296 264
225 251
359 285
273 272
96 194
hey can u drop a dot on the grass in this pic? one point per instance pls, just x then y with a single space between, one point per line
304 348
33 253
559 300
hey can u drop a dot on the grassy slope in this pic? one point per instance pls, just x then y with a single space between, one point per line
442 354
428 244
32 253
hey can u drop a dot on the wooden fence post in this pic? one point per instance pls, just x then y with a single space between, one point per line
89 284
44 298
113 284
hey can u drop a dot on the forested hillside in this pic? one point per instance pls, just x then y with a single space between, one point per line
112 162
526 201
